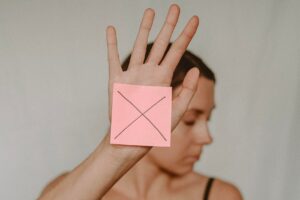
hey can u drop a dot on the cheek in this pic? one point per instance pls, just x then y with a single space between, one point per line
165 157
175 154
181 137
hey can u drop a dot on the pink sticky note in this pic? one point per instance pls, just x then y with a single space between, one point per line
141 115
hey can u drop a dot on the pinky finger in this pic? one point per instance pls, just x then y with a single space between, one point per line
181 101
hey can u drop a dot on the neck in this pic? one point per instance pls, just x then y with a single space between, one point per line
145 180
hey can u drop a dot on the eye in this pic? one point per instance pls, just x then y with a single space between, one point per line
189 123
190 118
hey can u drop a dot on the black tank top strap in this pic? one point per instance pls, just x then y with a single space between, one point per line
208 188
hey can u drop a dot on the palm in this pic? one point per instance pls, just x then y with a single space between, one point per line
155 71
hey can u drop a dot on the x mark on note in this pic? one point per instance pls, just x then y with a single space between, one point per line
141 114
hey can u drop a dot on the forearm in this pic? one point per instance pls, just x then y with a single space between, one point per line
97 174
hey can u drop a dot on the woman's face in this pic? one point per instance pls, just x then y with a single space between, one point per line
190 135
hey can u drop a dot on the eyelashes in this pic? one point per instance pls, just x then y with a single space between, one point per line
189 123
190 119
192 122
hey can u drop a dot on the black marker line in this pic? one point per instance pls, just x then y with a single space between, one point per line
142 114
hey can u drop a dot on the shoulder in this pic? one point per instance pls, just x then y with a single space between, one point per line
224 190
191 185
220 189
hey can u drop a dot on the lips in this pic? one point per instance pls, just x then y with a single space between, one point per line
193 158
196 156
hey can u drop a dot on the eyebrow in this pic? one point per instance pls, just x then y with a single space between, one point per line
196 110
199 111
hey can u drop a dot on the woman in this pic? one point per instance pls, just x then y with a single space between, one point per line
164 169
113 171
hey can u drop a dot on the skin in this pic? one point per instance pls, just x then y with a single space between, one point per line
93 178
167 173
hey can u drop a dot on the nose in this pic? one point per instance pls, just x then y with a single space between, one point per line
201 133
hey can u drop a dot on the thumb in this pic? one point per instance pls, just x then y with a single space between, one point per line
187 91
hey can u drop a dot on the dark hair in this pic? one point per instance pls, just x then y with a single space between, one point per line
187 61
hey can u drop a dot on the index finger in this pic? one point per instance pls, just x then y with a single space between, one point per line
112 52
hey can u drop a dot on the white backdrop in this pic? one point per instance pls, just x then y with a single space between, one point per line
53 84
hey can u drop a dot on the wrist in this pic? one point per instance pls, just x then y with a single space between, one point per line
121 152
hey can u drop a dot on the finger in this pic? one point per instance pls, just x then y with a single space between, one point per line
112 52
178 48
163 38
139 50
188 89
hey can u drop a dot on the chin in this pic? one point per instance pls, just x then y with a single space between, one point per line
182 170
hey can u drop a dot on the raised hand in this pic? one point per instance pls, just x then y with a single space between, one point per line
155 71
104 167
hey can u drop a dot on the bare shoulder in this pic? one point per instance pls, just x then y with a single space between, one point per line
224 190
220 189
190 186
